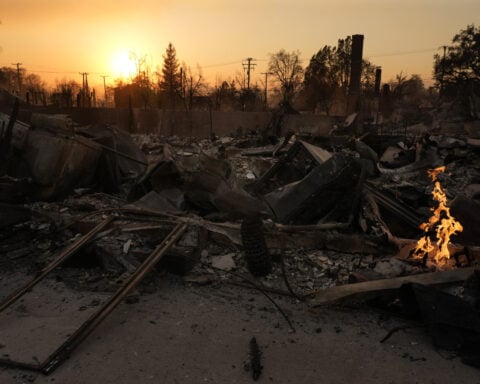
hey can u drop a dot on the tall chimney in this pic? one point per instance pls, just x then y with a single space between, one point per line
378 80
355 73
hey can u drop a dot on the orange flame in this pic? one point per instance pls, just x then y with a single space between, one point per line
441 221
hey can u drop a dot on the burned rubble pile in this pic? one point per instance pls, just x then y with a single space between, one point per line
311 216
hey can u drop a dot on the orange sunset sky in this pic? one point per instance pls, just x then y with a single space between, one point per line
60 38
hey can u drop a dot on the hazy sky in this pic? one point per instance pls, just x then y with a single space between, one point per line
60 38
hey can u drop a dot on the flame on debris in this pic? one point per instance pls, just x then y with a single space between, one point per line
442 223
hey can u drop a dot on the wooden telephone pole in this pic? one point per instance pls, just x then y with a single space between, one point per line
248 66
266 86
19 81
105 87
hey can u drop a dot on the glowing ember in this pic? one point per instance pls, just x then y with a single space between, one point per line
441 222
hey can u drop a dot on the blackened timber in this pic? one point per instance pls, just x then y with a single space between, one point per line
284 171
259 187
370 289
78 336
393 206
69 251
63 352
327 187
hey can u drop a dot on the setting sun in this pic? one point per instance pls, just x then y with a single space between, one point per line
123 65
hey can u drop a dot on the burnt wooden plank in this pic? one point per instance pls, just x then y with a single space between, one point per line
373 288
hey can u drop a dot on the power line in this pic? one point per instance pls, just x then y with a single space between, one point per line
59 72
222 64
400 53
64 72
74 72
32 69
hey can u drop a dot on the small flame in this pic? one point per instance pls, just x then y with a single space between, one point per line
441 221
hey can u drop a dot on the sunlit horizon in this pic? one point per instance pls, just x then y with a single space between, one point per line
60 39
120 66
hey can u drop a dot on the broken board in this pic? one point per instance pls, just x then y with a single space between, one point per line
369 289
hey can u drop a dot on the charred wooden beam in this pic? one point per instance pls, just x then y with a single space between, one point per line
69 251
374 288
64 351
395 207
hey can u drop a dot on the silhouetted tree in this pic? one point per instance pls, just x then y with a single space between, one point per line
35 88
251 99
368 78
226 96
322 79
139 91
170 82
407 97
65 93
142 83
408 92
8 78
286 69
343 61
458 73
192 85
327 76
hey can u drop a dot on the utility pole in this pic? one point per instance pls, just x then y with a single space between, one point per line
105 87
19 81
84 81
266 85
248 65
84 93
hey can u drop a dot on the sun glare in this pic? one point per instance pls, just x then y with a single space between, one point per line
123 65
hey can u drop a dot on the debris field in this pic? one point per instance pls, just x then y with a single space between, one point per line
308 222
